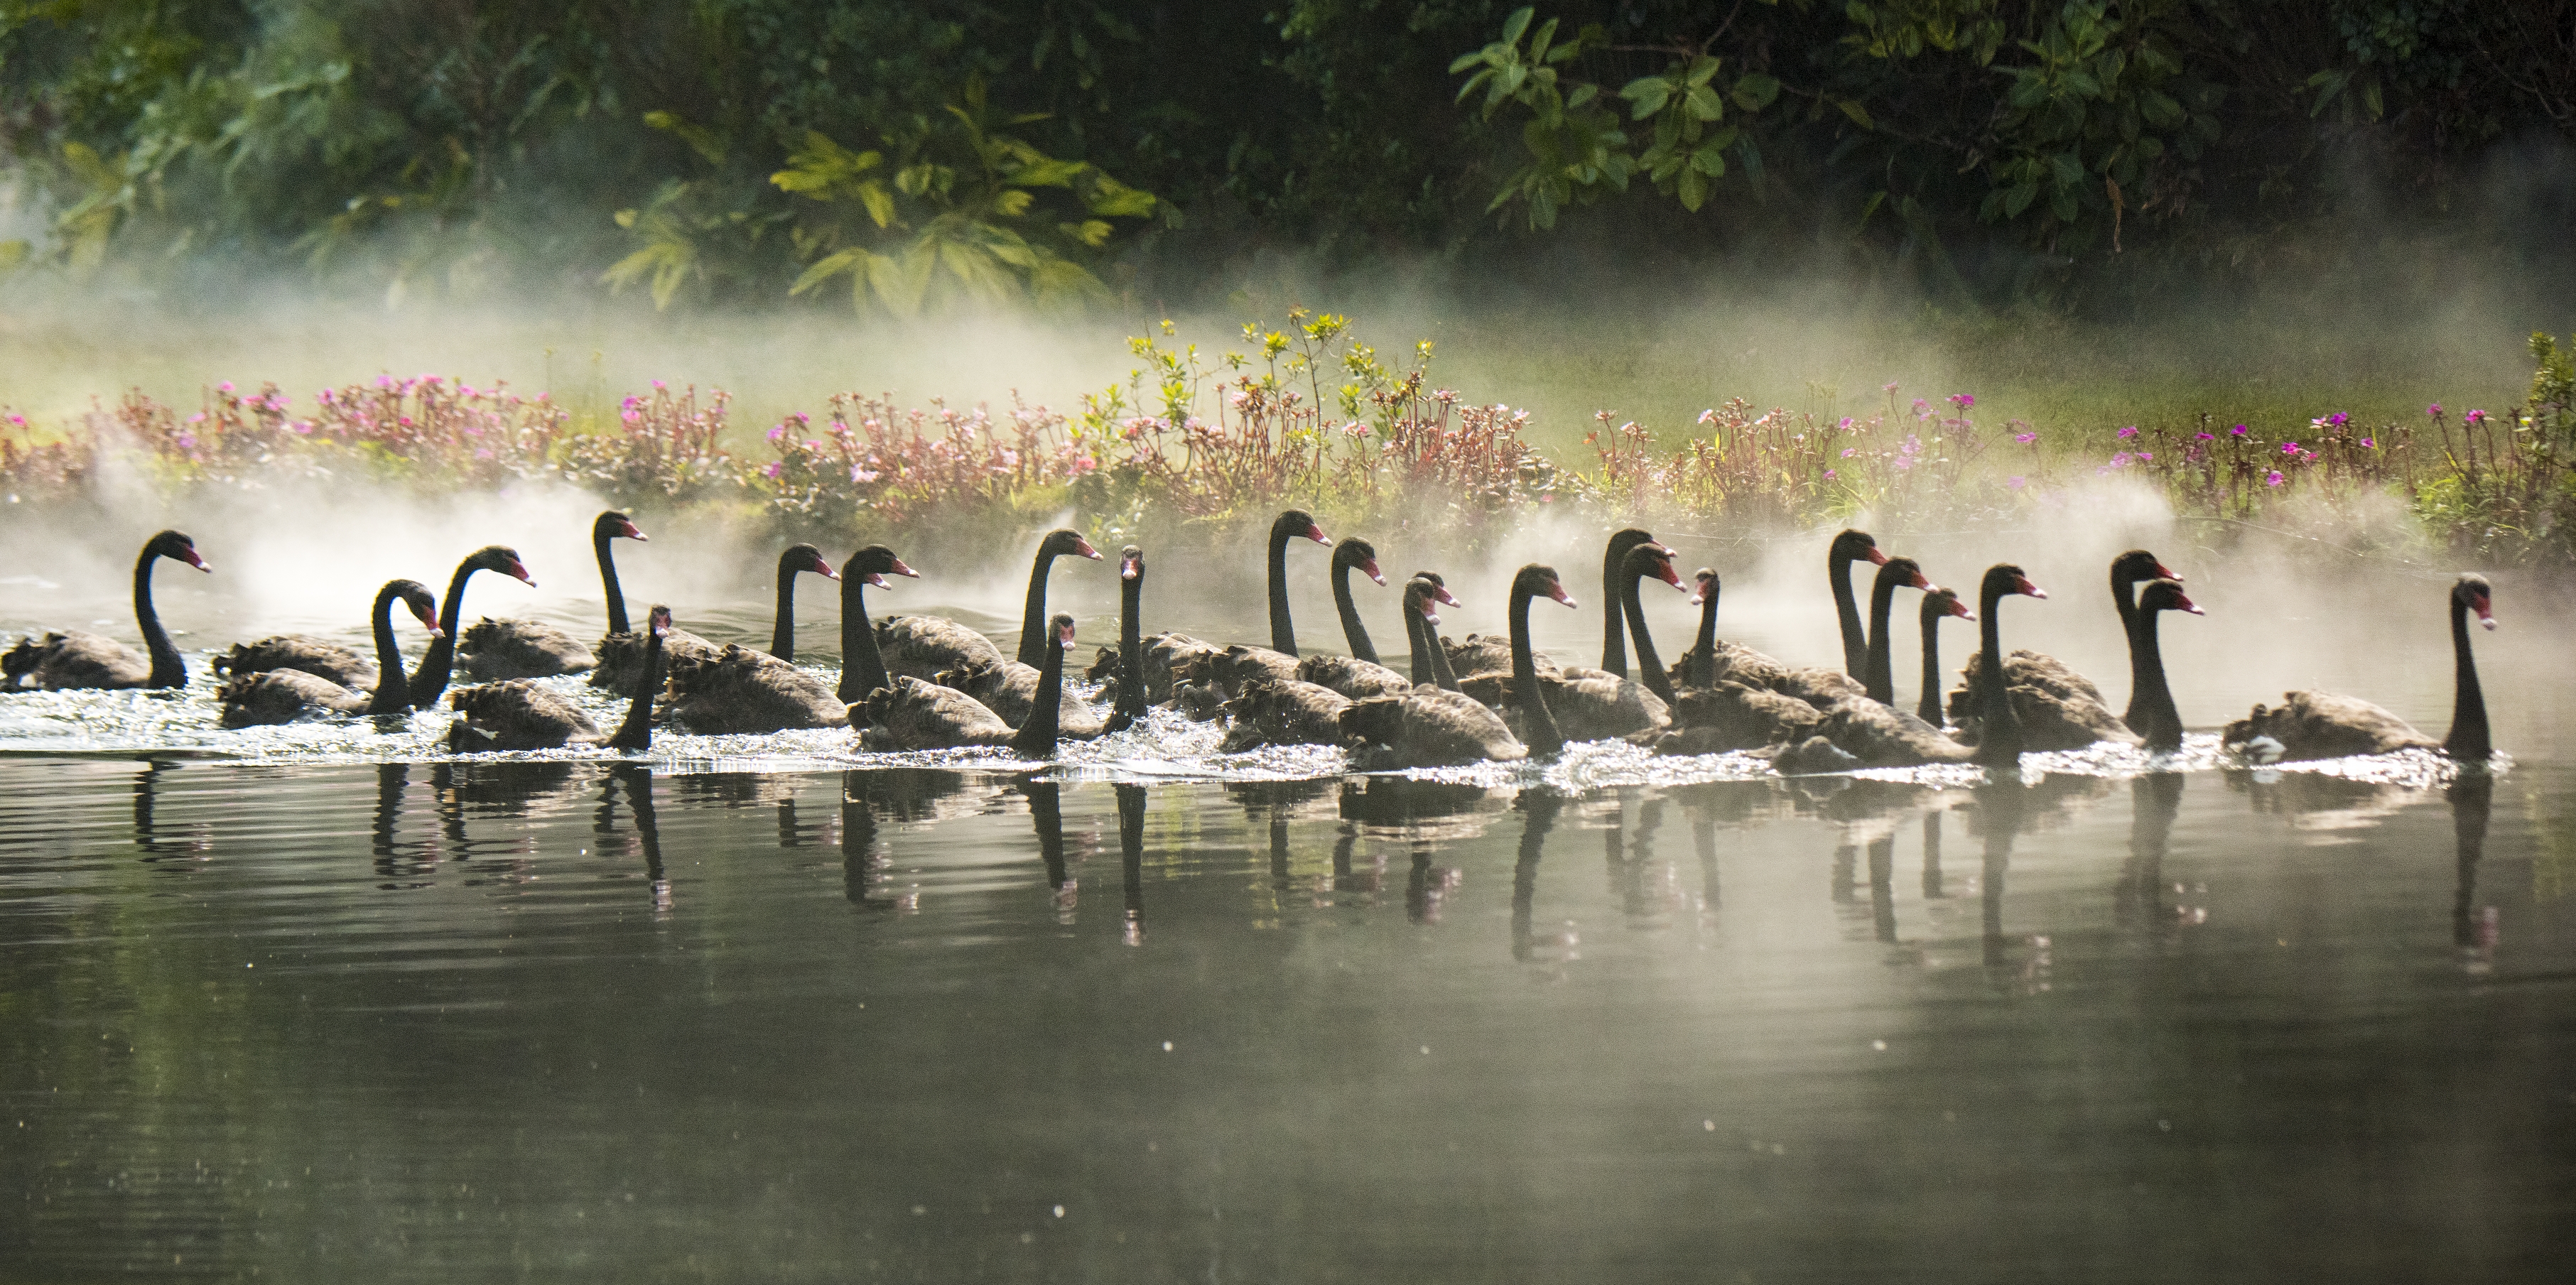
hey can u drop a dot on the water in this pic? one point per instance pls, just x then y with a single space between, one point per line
319 1003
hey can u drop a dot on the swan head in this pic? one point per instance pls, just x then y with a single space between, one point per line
871 565
2474 593
1131 563
805 557
661 621
1064 542
2166 595
1855 545
1295 523
1439 588
1063 624
1903 573
2004 579
177 548
613 525
1939 602
2137 565
1654 560
1704 586
1418 593
1540 581
1360 555
501 558
423 604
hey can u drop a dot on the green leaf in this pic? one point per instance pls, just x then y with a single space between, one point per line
1649 94
1519 22
1704 104
828 267
1754 91
1852 108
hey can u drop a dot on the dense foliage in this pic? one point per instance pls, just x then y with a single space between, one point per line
1063 151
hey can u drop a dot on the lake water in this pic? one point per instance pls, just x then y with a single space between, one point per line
318 1004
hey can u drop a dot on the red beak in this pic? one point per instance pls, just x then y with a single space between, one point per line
2022 584
520 569
1084 548
824 569
2186 604
1923 584
1127 569
1442 593
1065 636
2486 618
189 556
1673 578
1368 567
2164 572
661 624
429 620
876 580
630 532
1316 534
1960 609
902 570
1556 590
1876 558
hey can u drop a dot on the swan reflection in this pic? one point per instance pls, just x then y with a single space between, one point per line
1131 859
1538 809
2472 799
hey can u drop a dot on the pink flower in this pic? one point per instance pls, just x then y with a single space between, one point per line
1891 385
2338 419
2238 431
188 441
2369 443
631 417
1829 475
2204 436
1705 417
198 418
2434 410
861 473
777 431
772 471
2146 457
404 420
224 387
2475 417
658 385
2289 448
2272 478
1849 451
18 421
2016 481
2129 432
1962 400
2025 438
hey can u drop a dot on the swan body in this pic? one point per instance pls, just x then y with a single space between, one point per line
496 650
1011 689
1353 678
2058 709
1428 728
515 714
738 691
439 665
318 657
77 660
920 646
910 714
1732 716
1284 712
1160 658
1236 667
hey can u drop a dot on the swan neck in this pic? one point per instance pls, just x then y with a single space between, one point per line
1847 613
636 733
1353 632
1283 633
2153 698
782 634
1929 708
1650 666
169 669
1704 652
1131 647
1033 614
1543 736
1037 736
1415 629
1879 671
599 539
431 678
393 687
1999 741
2469 737
1614 647
862 666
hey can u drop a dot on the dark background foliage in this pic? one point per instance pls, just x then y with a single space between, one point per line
2088 155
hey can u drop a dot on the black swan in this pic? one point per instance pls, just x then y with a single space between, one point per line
1013 689
1430 662
257 697
1426 727
1614 562
620 652
1594 704
1358 675
492 650
1290 525
75 660
431 678
910 714
1538 727
1999 743
2152 704
517 714
1711 664
1938 605
2061 709
1643 561
2318 725
1869 729
922 646
743 692
324 659
798 558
